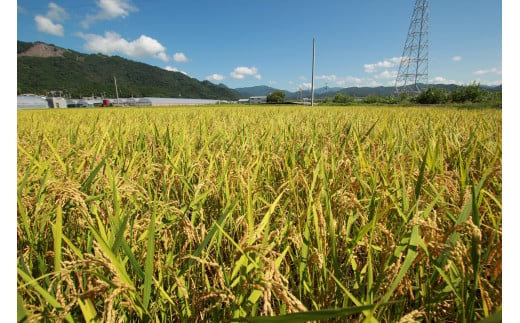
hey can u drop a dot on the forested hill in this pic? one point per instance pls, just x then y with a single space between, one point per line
43 67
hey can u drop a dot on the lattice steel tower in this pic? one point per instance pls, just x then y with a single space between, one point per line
413 69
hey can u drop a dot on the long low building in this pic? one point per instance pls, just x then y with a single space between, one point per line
36 102
31 102
181 101
258 100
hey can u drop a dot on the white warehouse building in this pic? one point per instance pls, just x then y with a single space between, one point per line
31 102
257 99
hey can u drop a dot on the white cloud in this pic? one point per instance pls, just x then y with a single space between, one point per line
442 80
306 86
490 83
349 81
180 58
112 43
329 78
56 13
47 23
110 9
163 57
456 58
215 77
241 72
387 63
493 70
171 68
386 74
175 69
371 83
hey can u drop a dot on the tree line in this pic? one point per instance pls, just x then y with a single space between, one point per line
460 95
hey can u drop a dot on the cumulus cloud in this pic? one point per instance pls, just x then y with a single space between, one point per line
108 10
47 23
241 72
329 78
56 13
215 77
112 43
493 70
305 86
387 63
442 80
180 58
171 68
489 83
386 74
349 81
456 58
163 57
175 69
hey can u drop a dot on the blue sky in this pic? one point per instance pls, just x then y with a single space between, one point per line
269 42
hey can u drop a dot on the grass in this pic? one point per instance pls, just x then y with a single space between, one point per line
261 214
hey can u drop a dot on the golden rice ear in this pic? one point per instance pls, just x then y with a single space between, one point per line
204 214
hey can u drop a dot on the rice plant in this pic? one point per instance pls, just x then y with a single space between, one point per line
260 214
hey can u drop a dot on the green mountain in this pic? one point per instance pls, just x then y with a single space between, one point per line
44 67
362 92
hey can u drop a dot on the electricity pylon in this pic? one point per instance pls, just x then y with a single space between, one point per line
413 69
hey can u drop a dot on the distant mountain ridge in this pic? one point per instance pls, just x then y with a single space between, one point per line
357 92
46 67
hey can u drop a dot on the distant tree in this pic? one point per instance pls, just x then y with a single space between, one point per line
371 99
432 96
471 93
457 95
276 97
342 99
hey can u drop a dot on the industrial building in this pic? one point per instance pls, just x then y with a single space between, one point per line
258 99
31 102
56 102
36 102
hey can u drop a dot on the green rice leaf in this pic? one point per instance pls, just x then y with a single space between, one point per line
22 314
88 309
311 315
208 238
57 233
408 261
148 267
45 294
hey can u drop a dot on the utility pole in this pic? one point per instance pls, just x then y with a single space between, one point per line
313 61
117 95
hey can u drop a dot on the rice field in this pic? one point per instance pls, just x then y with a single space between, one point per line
259 214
